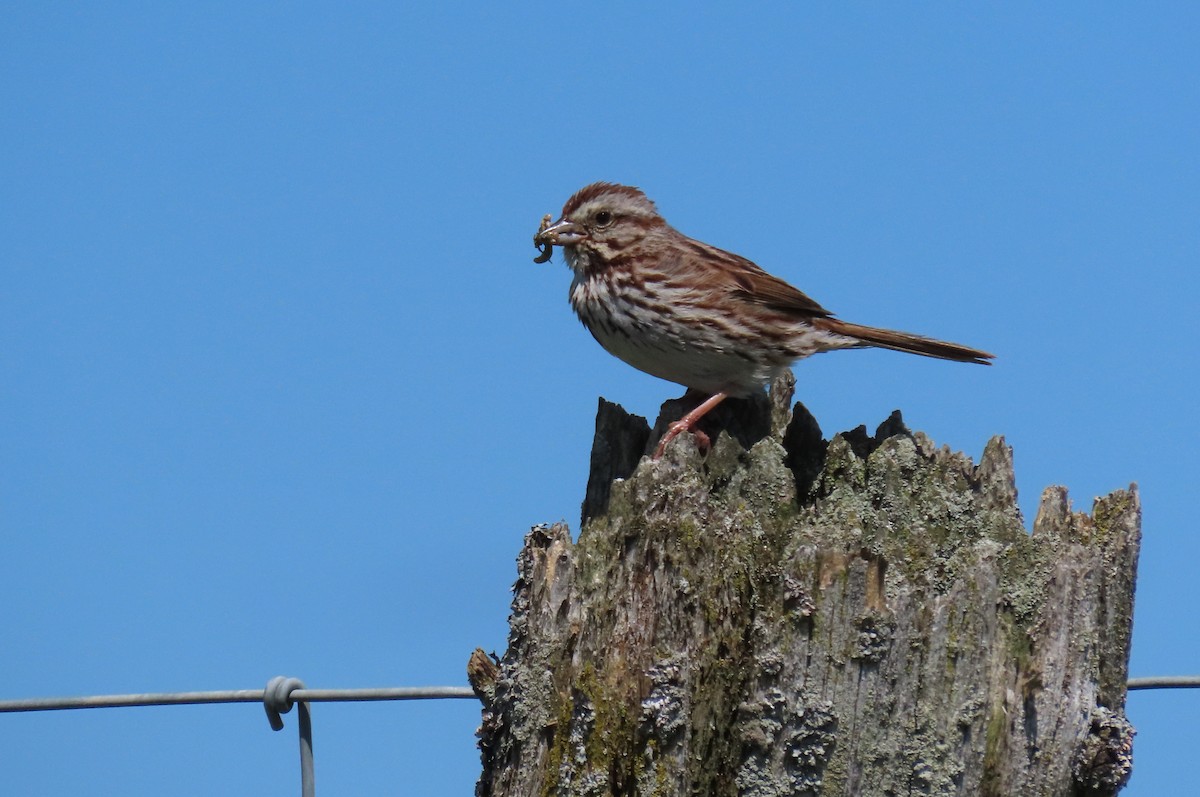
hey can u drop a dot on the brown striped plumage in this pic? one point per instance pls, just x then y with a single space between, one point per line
693 314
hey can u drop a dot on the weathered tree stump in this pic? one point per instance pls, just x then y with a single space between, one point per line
790 616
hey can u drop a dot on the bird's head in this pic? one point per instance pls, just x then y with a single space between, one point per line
601 223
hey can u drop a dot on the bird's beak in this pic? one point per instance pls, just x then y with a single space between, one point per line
563 232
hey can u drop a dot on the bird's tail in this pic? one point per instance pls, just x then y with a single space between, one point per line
903 341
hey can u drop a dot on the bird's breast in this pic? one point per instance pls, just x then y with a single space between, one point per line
645 330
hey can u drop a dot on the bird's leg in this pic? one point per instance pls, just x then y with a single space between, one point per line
686 423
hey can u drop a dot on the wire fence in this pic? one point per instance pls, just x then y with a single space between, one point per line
236 696
1165 682
281 693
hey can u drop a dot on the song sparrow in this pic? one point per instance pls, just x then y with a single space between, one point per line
693 314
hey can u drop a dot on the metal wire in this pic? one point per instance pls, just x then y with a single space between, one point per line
235 696
363 695
1165 682
282 693
278 698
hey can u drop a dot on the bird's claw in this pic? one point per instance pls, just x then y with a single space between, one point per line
679 427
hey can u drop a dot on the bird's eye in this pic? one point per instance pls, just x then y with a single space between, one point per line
604 218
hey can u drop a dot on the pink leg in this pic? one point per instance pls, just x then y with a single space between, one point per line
686 423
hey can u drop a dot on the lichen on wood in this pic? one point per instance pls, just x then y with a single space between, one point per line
786 615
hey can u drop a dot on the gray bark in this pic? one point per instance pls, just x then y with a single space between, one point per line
790 616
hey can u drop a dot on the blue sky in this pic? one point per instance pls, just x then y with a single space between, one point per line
283 388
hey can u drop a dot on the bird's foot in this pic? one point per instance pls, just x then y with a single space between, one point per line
687 424
678 428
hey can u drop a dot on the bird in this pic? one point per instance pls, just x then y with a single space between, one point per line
690 313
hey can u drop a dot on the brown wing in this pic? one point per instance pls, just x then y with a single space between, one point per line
747 281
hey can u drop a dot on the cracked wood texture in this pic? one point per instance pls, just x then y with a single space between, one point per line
786 615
